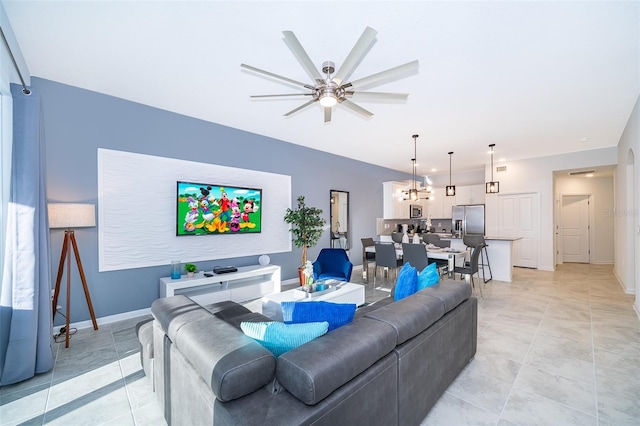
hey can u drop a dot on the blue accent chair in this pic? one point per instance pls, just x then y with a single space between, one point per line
332 263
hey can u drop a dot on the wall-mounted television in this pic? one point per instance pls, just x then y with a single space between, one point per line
210 209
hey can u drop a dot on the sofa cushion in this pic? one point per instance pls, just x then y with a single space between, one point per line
363 310
172 313
450 293
226 309
250 317
231 364
336 314
279 337
313 371
409 316
406 283
428 277
144 331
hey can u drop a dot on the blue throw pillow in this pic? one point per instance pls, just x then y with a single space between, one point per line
279 337
336 314
407 282
428 276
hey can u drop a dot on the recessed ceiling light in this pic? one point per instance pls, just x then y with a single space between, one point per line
583 140
434 170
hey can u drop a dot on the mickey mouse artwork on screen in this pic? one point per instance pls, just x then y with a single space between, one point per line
207 209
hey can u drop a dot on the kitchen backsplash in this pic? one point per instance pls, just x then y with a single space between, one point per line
387 226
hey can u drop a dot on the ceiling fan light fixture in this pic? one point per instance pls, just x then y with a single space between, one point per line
328 100
332 89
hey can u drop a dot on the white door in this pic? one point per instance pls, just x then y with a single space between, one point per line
518 216
575 228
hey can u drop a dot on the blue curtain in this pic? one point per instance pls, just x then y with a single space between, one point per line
26 325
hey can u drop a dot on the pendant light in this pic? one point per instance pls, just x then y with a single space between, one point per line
413 193
451 189
492 187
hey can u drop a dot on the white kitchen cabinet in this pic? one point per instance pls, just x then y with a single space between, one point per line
469 194
447 204
477 194
440 206
394 207
435 205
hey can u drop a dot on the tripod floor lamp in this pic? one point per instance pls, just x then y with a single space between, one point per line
69 216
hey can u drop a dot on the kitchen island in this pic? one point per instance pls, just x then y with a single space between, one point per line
500 253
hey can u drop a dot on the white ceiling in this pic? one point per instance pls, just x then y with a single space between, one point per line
535 78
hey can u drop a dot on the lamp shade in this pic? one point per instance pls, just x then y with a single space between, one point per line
68 215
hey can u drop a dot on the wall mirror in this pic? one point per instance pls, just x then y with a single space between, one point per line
339 211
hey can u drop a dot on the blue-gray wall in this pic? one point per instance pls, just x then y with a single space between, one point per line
77 122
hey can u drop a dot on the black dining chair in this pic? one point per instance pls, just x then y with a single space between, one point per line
396 237
415 255
386 258
430 238
367 257
473 240
434 239
471 268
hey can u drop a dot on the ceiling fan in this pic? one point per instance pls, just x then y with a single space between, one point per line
333 88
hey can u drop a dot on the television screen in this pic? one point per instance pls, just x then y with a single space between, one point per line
204 209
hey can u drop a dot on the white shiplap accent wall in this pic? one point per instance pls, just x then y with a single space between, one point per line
137 208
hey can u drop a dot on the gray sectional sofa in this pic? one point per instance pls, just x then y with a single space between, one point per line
388 367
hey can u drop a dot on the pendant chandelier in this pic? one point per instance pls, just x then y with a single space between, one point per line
413 193
450 189
492 187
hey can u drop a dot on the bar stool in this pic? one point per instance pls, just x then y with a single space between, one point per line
475 241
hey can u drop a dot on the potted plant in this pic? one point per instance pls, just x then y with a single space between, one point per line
307 228
191 269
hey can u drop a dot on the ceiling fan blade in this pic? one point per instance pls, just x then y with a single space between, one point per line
327 114
374 96
302 56
355 56
270 74
304 105
385 76
356 108
281 95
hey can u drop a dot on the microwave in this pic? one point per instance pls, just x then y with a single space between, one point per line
415 211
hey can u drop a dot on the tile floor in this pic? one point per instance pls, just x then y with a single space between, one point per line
554 348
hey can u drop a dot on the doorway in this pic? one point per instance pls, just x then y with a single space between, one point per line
575 226
519 216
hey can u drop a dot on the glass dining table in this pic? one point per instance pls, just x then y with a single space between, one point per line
452 256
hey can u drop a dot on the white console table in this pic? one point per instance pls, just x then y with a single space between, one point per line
248 283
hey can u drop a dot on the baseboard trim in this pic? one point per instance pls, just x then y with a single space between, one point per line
105 320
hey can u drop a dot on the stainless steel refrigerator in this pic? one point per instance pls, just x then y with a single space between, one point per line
467 219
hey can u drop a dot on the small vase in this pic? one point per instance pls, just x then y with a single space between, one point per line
190 274
175 269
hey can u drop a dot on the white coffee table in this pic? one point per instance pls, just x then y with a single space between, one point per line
346 293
